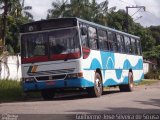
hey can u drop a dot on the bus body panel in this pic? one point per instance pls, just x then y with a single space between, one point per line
114 67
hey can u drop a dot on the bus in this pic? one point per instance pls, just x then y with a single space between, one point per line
72 53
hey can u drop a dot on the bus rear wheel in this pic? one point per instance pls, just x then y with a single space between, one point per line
129 87
97 90
47 94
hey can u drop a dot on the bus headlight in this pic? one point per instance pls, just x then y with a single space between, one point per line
28 80
75 75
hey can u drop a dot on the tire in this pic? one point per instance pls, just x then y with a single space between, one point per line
97 90
47 94
130 86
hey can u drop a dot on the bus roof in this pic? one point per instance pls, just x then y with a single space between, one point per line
78 19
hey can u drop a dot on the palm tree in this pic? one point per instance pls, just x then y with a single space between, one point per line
85 9
103 12
59 9
25 10
18 9
79 8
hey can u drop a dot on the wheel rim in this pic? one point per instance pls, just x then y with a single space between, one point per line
131 80
98 85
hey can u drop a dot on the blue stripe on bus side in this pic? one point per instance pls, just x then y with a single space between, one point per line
110 66
111 81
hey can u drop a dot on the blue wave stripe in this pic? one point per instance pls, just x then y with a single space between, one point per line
138 66
110 82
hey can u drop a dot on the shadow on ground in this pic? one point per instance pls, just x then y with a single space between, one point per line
123 110
153 102
60 97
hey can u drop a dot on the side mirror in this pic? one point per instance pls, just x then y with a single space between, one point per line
83 31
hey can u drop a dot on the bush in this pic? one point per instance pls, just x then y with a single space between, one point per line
11 90
152 75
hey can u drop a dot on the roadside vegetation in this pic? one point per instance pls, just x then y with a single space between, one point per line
11 90
147 82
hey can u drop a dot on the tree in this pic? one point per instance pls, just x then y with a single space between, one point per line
155 31
117 20
85 9
103 12
17 14
59 9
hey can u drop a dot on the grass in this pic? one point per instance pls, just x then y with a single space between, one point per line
11 90
147 82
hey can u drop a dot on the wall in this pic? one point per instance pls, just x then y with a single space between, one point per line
10 68
146 67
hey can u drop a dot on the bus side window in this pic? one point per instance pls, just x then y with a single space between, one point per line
138 47
115 44
103 41
120 43
133 45
92 34
84 38
110 41
127 44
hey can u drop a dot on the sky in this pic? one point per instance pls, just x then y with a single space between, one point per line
146 18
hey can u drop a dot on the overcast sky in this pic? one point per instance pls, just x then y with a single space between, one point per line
150 17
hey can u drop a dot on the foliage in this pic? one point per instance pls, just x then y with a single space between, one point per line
17 15
147 82
117 20
11 90
155 30
85 9
152 75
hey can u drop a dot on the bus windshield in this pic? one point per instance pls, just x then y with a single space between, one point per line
53 45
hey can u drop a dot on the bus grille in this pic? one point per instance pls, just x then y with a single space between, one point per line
55 77
52 72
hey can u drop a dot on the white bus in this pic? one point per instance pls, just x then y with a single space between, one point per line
71 53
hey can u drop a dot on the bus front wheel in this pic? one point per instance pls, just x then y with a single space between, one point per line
47 94
96 90
129 87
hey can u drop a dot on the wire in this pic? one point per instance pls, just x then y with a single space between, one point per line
136 12
138 18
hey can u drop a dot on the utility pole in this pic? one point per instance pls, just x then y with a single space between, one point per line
127 7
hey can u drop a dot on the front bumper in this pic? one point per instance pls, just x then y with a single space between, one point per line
56 84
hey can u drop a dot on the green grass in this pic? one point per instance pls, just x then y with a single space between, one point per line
147 82
11 90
